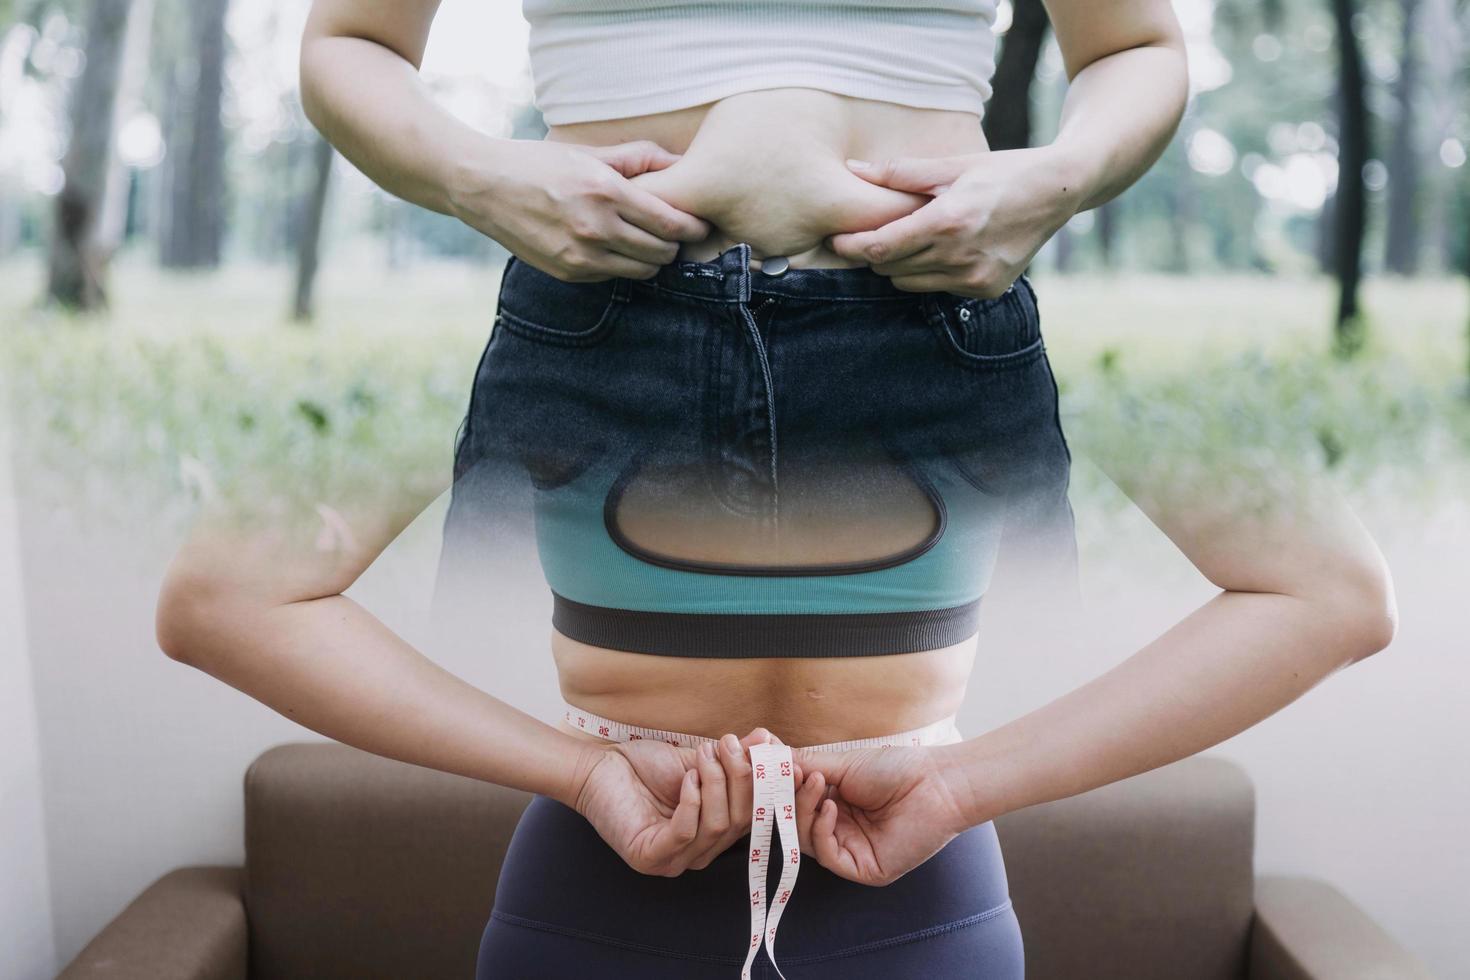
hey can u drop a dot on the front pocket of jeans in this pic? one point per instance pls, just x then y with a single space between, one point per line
539 307
993 333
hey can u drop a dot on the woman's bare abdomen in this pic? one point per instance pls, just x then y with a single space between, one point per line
767 167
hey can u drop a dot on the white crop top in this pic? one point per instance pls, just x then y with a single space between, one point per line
609 59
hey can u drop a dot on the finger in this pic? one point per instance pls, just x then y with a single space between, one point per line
831 764
898 239
808 799
928 259
922 175
616 264
734 762
674 838
632 158
739 784
714 808
829 852
758 736
630 240
931 282
658 217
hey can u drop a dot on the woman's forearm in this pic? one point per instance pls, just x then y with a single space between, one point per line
330 665
1234 661
370 103
1119 114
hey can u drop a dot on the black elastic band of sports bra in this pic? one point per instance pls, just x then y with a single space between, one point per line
734 635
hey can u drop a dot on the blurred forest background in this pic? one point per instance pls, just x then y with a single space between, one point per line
166 205
1324 135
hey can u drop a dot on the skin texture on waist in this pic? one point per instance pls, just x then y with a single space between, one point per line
767 167
804 701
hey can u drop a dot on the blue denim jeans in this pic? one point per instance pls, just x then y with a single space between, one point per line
752 383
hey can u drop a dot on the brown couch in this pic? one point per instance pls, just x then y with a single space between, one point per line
357 866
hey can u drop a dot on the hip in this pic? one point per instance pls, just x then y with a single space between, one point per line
565 899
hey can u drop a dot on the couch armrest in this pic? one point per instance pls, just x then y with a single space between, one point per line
1305 929
187 925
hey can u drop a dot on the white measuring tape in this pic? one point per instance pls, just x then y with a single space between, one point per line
772 803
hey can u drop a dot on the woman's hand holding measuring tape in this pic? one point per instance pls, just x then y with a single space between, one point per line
666 809
872 815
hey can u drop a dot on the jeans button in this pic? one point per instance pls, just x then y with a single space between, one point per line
774 265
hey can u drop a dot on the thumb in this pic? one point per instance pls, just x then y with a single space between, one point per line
634 158
922 175
832 765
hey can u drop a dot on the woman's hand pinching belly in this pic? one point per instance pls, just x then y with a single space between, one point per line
573 211
667 809
872 815
991 212
782 200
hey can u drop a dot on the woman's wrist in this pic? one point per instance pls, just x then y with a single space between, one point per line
577 758
472 176
974 778
1074 177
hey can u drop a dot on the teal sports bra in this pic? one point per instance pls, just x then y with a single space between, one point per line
633 565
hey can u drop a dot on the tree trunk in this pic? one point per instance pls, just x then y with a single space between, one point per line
1064 247
308 246
1324 244
196 209
1401 245
1349 211
1464 213
1007 119
76 270
1182 216
113 226
1107 232
1444 46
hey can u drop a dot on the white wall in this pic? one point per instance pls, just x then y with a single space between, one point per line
1357 782
25 892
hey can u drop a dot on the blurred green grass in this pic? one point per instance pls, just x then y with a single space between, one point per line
194 386
1195 381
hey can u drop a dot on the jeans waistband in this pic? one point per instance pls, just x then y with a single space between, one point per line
730 277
